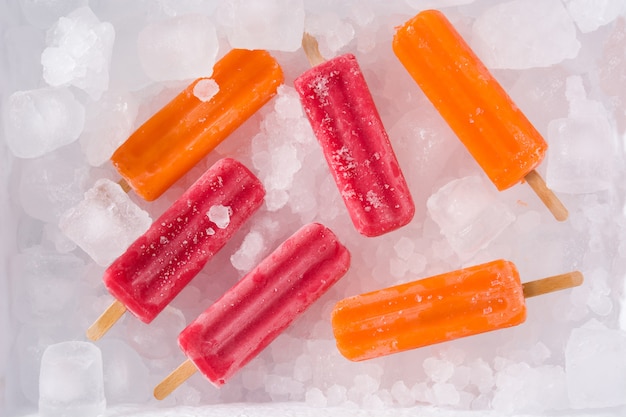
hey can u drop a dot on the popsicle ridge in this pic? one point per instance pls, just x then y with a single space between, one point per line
177 137
469 98
262 304
163 260
432 310
346 122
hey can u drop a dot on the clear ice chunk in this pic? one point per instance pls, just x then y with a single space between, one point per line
79 52
522 34
71 382
105 223
39 121
266 24
581 157
595 364
179 48
53 183
469 214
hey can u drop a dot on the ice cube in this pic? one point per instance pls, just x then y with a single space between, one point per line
249 253
79 52
315 398
439 370
205 89
44 284
402 394
469 214
123 369
53 183
40 121
71 381
581 157
332 32
180 48
503 38
220 215
266 24
522 388
105 223
595 364
589 15
108 124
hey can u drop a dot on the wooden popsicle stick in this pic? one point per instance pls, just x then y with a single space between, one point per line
312 50
179 375
106 320
546 195
125 186
551 284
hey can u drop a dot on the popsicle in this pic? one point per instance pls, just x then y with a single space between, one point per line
345 121
497 134
259 307
158 265
462 303
179 135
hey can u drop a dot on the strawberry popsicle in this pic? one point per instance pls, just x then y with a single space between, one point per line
462 303
158 265
177 137
497 134
260 306
345 121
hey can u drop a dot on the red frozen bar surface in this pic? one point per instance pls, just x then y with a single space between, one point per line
345 121
158 265
264 302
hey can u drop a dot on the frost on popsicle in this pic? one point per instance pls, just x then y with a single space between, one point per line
356 146
437 309
256 310
163 260
480 112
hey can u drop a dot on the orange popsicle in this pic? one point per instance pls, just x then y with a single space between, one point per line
177 137
437 309
497 134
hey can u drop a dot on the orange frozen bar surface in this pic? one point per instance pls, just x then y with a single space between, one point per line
437 309
497 134
177 137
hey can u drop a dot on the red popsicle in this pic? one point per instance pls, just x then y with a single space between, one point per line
160 263
260 306
345 121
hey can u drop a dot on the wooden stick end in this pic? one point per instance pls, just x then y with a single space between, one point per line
311 49
554 283
175 379
106 320
125 185
547 196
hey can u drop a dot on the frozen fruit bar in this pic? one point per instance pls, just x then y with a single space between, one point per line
172 141
497 134
345 121
260 306
437 309
161 262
